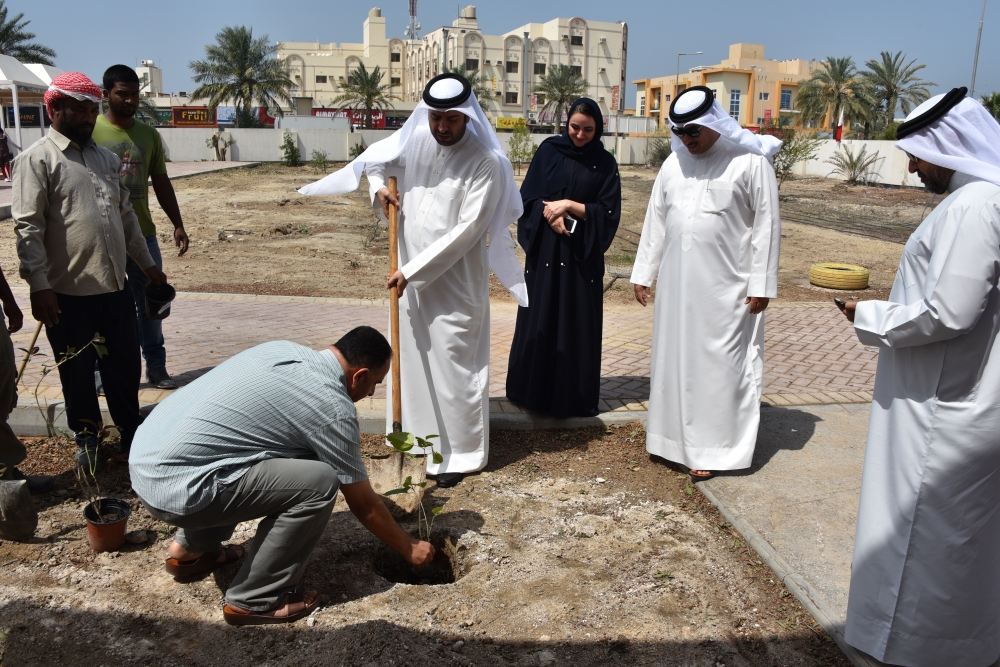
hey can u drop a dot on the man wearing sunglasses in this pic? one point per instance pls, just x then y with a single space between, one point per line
925 584
711 240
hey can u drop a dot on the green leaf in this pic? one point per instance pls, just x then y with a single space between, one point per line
408 482
428 437
421 485
101 350
437 510
401 441
395 492
437 458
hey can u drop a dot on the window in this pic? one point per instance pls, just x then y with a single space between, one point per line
576 40
666 98
576 69
352 80
642 105
734 104
395 57
764 96
471 64
540 100
786 99
395 81
320 78
510 98
512 67
540 69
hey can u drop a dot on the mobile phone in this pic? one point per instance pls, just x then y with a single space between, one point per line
840 303
570 224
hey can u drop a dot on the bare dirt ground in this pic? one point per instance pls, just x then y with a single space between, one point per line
252 233
573 548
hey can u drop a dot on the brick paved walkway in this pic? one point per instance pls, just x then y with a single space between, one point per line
811 353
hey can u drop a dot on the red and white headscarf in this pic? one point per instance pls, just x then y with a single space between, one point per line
71 84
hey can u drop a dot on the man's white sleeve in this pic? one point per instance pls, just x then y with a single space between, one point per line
375 171
765 239
477 209
961 274
654 230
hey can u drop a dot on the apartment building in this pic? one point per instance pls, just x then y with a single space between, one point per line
750 87
514 62
318 69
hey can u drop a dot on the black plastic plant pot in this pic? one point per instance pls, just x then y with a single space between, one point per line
106 532
158 300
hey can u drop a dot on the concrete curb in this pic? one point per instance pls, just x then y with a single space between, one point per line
794 582
27 421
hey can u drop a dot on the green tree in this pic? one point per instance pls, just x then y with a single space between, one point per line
16 42
561 87
796 146
242 69
365 90
482 87
521 149
895 83
992 104
834 85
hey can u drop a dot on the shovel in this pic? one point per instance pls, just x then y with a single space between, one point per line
388 472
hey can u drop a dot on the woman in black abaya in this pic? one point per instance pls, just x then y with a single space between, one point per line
555 358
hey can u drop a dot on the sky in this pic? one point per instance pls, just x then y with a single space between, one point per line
88 37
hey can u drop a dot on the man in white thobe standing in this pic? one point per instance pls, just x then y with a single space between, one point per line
456 184
711 240
925 580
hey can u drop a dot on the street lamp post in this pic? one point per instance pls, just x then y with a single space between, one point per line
677 81
975 61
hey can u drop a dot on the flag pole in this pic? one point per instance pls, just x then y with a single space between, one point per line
397 407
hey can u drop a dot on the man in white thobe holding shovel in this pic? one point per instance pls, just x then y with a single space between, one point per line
925 581
711 240
457 186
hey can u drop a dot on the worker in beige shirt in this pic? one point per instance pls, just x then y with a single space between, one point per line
75 226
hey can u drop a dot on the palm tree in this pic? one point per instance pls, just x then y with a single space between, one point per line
242 69
16 42
561 86
896 83
365 90
992 104
482 87
835 85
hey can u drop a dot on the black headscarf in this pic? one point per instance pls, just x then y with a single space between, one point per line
547 176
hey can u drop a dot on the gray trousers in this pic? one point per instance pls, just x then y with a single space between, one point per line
12 451
295 498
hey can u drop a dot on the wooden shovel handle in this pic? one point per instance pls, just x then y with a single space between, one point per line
397 407
27 355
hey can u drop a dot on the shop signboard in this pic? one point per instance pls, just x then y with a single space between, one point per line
30 117
356 116
193 117
510 123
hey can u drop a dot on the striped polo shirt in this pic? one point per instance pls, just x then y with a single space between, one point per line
276 400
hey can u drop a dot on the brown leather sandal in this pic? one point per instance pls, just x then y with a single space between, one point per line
207 562
700 477
238 616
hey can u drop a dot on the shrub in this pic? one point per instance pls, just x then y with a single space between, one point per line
319 161
855 167
522 148
796 147
290 151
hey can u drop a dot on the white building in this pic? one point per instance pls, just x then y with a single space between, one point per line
515 61
319 69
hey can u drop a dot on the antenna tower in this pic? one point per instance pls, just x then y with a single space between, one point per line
413 28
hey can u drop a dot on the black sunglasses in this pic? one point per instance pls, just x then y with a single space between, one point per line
690 130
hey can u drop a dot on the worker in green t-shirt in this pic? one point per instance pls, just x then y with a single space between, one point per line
141 152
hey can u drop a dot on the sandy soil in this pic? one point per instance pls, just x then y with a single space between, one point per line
252 233
572 547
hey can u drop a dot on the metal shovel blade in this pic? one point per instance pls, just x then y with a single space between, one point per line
388 472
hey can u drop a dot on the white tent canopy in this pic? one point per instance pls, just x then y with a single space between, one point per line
44 72
23 84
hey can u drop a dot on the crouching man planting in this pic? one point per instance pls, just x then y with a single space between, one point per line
272 433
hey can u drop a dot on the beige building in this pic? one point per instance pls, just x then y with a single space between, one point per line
752 88
515 61
319 69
